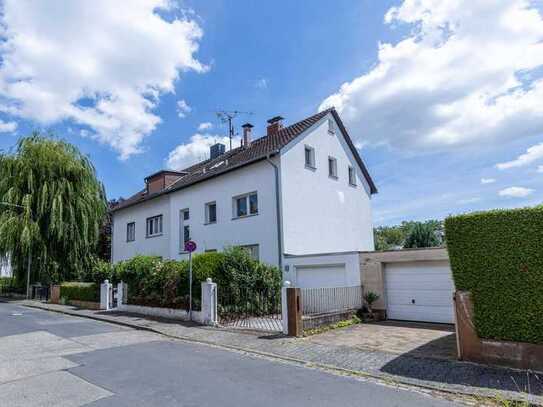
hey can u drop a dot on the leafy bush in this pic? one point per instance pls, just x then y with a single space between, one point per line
80 291
165 283
498 257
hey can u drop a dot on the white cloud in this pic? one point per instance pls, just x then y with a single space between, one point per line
469 200
187 154
205 126
454 80
540 168
515 192
488 181
183 108
532 154
261 83
7 127
99 64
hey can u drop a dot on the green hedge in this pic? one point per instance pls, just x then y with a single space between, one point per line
80 291
165 283
498 257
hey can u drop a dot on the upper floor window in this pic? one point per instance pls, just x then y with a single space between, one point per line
309 157
352 176
332 167
186 214
331 126
245 205
131 231
154 226
211 212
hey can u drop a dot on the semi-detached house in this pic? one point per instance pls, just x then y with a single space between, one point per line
300 189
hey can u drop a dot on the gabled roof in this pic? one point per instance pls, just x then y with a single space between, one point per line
258 150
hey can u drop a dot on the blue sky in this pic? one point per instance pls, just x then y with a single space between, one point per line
444 100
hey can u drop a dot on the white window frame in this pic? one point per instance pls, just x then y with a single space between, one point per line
247 197
182 223
352 176
331 126
311 165
131 234
332 167
253 249
154 220
208 220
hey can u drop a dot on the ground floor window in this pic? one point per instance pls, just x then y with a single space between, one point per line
253 250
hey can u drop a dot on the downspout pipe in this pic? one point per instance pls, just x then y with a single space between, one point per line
277 212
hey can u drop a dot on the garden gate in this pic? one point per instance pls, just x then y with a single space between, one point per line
250 308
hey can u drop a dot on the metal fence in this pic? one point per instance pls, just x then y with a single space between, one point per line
250 308
330 299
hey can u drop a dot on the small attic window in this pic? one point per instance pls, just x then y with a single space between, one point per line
331 126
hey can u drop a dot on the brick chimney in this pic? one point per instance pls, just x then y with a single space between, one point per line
274 125
247 133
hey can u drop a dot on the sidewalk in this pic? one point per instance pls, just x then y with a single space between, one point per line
437 374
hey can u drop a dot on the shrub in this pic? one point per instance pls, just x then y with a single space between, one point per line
80 291
165 283
498 257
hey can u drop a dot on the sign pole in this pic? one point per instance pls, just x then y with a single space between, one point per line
190 286
190 246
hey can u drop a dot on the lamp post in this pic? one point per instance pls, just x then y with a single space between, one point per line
29 261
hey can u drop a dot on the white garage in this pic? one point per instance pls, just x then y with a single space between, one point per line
318 276
322 270
419 291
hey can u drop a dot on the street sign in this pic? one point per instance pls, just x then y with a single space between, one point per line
190 246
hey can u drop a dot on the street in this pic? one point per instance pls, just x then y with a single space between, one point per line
51 359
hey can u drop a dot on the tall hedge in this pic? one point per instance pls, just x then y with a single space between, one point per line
498 257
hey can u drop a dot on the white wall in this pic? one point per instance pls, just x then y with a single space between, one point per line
350 261
156 246
260 229
321 214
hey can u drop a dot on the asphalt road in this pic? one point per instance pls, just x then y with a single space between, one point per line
56 360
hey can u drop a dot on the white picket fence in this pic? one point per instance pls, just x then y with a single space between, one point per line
330 299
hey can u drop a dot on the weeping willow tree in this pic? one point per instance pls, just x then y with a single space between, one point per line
52 207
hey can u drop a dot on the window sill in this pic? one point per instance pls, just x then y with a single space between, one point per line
151 236
334 177
352 185
332 132
245 216
309 167
130 241
210 223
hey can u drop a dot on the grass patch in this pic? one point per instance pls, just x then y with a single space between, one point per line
341 324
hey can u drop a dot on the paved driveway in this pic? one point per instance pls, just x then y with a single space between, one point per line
415 339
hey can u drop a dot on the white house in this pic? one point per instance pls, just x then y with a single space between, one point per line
299 190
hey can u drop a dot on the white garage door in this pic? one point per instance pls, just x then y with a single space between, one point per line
321 275
419 291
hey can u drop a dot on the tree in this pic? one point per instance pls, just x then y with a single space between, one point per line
422 235
395 237
61 206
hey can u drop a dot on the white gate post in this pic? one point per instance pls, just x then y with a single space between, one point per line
284 307
121 294
105 294
209 303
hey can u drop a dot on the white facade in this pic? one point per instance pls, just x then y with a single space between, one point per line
318 214
322 214
228 230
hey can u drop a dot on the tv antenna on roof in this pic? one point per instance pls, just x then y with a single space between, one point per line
226 116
